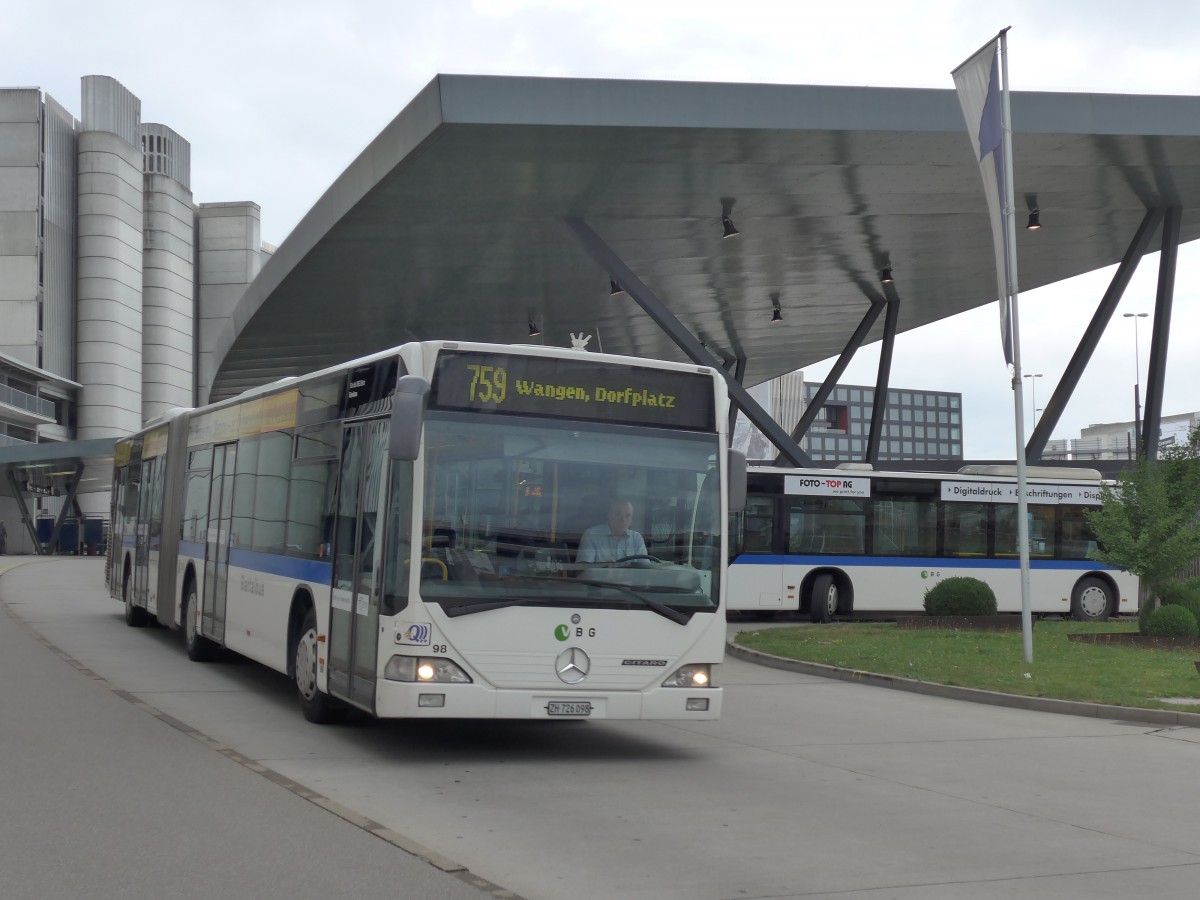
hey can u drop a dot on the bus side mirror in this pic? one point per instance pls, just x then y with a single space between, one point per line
408 415
737 481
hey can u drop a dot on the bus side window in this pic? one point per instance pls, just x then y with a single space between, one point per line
759 525
803 536
1078 542
965 531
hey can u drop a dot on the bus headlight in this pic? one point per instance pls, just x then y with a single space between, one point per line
696 675
425 670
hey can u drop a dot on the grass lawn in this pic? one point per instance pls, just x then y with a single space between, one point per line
995 661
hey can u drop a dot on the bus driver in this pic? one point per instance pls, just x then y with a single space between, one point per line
614 539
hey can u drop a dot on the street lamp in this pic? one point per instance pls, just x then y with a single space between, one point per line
1137 370
1033 400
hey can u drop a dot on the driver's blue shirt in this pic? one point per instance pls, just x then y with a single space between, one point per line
599 544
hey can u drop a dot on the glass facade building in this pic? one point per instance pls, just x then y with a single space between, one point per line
917 424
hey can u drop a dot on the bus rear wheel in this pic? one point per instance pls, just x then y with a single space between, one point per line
824 604
316 705
135 616
199 648
1092 600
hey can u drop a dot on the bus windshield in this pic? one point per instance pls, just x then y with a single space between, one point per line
575 514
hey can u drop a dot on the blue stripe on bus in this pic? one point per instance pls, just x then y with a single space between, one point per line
917 562
192 549
314 571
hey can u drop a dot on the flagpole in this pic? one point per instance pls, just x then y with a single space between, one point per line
1017 387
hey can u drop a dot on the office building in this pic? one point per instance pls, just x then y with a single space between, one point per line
113 282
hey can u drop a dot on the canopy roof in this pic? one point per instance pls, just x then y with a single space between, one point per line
451 224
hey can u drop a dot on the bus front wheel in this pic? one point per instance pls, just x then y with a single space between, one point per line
1092 600
317 706
824 604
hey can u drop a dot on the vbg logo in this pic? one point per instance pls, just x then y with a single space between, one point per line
562 632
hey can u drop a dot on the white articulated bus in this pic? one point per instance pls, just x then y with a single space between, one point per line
401 534
835 541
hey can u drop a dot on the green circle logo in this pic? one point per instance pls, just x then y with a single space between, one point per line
924 574
562 632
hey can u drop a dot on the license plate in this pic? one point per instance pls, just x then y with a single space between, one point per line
569 708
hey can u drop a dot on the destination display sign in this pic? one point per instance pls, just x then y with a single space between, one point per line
583 388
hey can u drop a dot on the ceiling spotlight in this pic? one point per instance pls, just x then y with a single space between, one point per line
1035 221
613 288
727 222
777 316
534 331
886 275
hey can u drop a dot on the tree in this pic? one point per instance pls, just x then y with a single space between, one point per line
1149 523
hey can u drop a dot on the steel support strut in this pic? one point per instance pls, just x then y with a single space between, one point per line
1091 336
69 506
879 408
684 339
817 403
19 496
739 374
1157 373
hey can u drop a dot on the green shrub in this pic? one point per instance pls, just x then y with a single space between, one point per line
960 596
1191 604
1172 620
1178 591
1175 593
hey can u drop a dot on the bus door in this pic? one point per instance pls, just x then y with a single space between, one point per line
354 613
216 557
141 529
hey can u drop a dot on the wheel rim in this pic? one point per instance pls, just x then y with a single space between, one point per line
831 599
306 664
1093 600
189 615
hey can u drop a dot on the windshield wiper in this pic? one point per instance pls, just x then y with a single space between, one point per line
467 609
667 612
471 609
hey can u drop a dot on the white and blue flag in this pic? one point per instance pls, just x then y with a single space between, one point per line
979 93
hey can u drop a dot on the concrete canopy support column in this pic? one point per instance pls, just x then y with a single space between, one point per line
109 268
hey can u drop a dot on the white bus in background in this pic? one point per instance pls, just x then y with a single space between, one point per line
399 534
832 542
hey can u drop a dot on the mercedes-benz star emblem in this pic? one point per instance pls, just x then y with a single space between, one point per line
572 665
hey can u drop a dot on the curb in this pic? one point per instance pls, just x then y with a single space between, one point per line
974 695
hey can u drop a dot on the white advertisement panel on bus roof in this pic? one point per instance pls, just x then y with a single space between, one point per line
826 486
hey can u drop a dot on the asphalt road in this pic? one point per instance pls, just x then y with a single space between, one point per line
123 761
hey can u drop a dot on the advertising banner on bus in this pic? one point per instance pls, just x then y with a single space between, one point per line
826 486
1006 492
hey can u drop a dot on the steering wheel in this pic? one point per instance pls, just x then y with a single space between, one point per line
639 556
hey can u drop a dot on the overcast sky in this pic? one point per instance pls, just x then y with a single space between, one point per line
278 98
